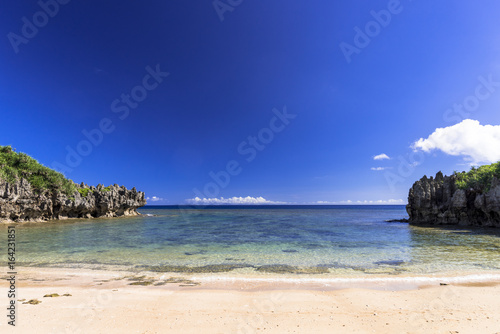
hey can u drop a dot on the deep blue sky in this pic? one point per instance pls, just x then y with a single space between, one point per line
226 77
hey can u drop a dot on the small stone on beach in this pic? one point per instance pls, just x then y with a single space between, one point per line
33 302
52 295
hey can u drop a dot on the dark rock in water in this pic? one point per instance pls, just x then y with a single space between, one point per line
438 201
390 263
211 268
354 245
201 252
20 202
290 251
403 220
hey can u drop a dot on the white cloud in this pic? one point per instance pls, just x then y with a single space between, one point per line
379 168
231 200
475 142
381 157
154 199
377 202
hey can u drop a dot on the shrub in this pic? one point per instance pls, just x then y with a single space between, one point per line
84 192
14 166
478 179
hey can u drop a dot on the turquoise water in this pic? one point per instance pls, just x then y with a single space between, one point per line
323 240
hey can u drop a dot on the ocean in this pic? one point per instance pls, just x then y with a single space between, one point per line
327 241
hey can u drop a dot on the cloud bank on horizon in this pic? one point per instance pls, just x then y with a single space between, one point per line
262 201
475 142
232 200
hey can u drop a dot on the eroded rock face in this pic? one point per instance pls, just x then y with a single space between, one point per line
18 202
438 201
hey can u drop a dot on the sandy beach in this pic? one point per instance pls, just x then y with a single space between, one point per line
122 302
250 167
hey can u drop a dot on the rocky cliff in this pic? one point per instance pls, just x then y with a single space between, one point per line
20 202
439 201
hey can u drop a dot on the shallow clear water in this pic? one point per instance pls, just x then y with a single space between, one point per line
332 240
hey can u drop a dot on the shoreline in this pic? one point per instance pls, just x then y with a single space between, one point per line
4 221
78 277
97 301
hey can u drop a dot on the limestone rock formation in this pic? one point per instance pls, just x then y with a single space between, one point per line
438 201
20 202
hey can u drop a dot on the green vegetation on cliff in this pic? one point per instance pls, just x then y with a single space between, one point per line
478 179
15 165
84 192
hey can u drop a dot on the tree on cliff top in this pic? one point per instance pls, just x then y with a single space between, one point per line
15 165
478 179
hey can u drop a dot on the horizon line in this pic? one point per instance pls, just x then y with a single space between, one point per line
284 204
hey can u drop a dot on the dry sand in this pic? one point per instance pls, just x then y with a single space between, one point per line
105 302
